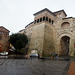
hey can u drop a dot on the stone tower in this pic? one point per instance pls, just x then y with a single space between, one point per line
42 33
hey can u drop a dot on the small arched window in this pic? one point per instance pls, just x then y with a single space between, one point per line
46 18
37 20
43 18
52 21
49 20
34 21
65 25
40 19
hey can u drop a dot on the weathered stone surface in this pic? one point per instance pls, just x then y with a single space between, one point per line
49 30
37 38
48 46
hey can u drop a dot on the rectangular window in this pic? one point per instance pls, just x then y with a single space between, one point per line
6 33
0 38
0 32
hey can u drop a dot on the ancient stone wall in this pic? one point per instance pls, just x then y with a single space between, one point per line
37 38
48 46
52 37
68 31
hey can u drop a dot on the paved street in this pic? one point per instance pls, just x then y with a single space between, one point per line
71 70
32 67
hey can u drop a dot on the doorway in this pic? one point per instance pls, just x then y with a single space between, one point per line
64 45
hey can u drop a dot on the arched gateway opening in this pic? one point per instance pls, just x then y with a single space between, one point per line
64 45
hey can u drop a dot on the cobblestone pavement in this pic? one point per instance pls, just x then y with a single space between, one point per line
32 67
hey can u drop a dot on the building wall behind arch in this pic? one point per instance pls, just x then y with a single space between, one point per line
67 31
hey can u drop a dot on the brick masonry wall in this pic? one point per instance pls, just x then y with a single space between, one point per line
5 37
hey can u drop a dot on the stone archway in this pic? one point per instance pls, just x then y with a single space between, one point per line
64 45
65 25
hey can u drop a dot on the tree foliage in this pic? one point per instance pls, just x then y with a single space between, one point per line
19 41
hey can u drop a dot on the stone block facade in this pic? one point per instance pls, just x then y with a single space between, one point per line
51 32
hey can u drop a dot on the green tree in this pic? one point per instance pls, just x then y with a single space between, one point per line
19 41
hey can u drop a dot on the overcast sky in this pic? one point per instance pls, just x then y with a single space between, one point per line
16 14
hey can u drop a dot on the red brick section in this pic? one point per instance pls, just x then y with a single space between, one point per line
71 70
